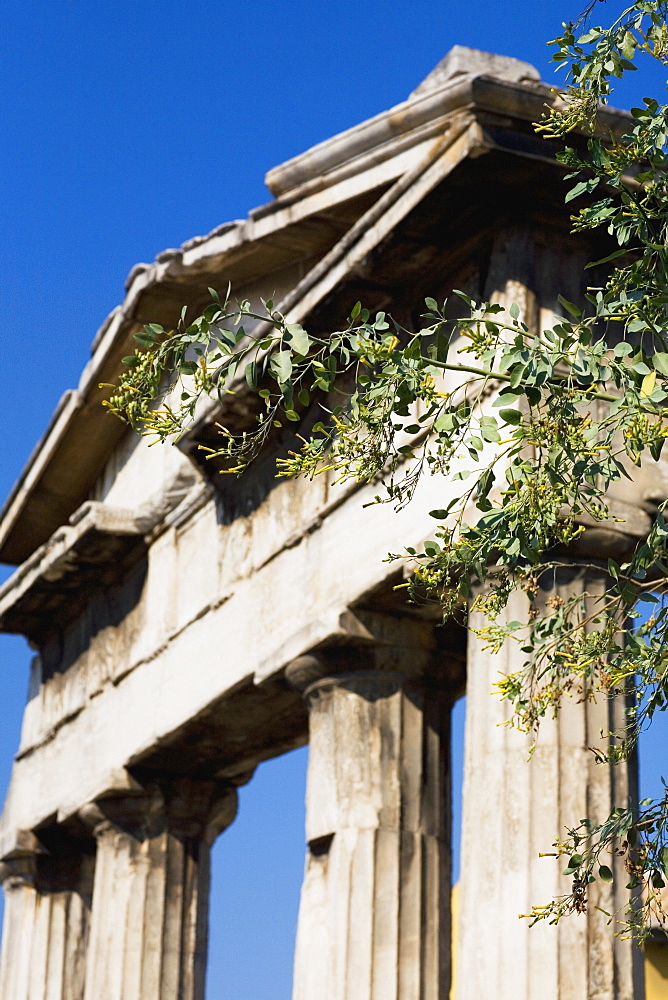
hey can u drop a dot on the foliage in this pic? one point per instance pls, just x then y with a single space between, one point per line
530 429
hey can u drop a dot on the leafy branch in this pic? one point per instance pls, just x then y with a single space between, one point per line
529 429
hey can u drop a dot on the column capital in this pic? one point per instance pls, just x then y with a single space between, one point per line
312 674
21 860
383 667
184 806
135 813
18 869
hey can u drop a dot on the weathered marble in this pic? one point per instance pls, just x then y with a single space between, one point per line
374 921
513 810
46 925
148 933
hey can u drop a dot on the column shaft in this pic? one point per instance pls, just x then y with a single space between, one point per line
513 809
374 920
150 899
45 930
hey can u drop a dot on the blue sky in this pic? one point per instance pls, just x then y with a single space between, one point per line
130 126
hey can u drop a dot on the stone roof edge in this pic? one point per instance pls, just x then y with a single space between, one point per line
371 133
481 90
67 406
388 130
53 554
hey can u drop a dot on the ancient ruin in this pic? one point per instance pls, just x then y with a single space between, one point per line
188 626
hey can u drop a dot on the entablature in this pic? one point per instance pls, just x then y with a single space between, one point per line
46 592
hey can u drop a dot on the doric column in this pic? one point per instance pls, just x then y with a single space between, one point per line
374 920
46 921
513 809
150 899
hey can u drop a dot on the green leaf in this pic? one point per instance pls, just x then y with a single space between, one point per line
574 863
628 46
462 295
507 396
445 422
613 569
299 339
516 376
570 307
660 362
432 548
356 310
251 374
604 260
514 310
605 873
656 447
281 366
490 433
130 361
443 512
648 383
589 36
583 187
146 338
485 484
431 304
513 417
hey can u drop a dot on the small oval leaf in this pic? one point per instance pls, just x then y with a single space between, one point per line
513 417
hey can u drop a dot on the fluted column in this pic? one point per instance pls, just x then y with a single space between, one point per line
374 920
513 809
150 899
46 921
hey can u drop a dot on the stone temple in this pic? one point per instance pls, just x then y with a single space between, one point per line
187 626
